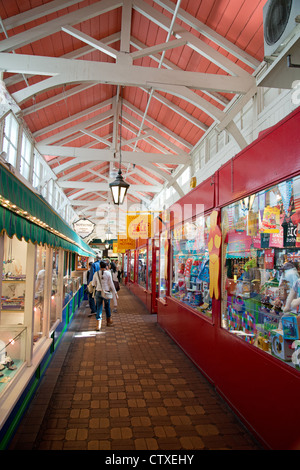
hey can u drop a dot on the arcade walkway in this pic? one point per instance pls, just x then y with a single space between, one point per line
128 387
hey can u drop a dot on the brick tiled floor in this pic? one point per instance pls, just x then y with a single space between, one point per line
128 387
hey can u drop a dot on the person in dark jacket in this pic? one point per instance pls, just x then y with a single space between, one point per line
90 296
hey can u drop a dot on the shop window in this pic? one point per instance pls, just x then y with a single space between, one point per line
150 264
10 139
163 264
190 265
261 259
142 267
13 281
132 265
54 305
26 152
39 299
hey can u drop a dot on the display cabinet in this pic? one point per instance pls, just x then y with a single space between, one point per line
150 259
261 283
142 267
163 264
190 265
12 353
67 290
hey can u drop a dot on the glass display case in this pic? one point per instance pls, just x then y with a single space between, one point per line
13 281
67 290
261 284
39 298
132 256
12 353
54 306
76 284
190 265
142 267
149 283
163 264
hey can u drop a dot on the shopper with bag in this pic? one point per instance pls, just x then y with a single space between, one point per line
105 290
90 291
114 274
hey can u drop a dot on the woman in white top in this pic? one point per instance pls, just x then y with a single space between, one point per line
114 274
102 281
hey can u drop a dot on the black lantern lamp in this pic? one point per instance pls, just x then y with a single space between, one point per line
119 187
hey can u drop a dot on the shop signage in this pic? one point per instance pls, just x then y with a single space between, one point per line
125 244
83 227
139 226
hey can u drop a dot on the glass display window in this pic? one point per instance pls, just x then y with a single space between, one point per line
132 256
67 290
142 267
13 281
261 259
163 264
190 265
39 298
54 303
149 285
12 353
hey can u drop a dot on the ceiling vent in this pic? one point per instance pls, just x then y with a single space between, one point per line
280 18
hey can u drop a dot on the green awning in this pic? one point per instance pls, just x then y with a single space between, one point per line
18 194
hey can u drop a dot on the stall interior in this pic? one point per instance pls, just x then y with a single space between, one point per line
190 264
261 266
33 294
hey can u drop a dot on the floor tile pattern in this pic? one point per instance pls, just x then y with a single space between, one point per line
127 387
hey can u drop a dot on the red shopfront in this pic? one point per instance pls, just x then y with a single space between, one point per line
228 282
144 272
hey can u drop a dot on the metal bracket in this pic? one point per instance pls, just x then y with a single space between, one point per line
289 63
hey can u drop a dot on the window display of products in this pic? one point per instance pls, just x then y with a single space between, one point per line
13 281
163 267
142 266
190 265
12 353
261 283
149 264
132 256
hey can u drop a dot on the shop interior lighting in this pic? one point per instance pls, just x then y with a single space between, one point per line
119 187
14 208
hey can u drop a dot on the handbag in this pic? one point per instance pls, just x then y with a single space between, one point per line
117 285
105 294
90 288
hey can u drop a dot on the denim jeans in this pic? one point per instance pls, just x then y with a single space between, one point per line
92 302
99 303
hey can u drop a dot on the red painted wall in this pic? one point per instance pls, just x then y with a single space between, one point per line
262 390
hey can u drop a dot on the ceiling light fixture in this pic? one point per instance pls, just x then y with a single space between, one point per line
119 187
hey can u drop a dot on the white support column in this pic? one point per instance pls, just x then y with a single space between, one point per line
47 291
60 281
29 299
1 264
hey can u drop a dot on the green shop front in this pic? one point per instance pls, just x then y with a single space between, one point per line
41 289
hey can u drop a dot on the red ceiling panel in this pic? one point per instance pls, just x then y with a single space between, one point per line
55 116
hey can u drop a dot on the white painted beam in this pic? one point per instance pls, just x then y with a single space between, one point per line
74 117
99 45
53 26
209 33
72 71
105 186
37 12
81 155
126 26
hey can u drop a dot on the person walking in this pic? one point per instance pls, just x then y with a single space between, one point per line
114 274
90 295
102 281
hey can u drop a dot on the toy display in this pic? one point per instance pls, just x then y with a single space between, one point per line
262 273
191 267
